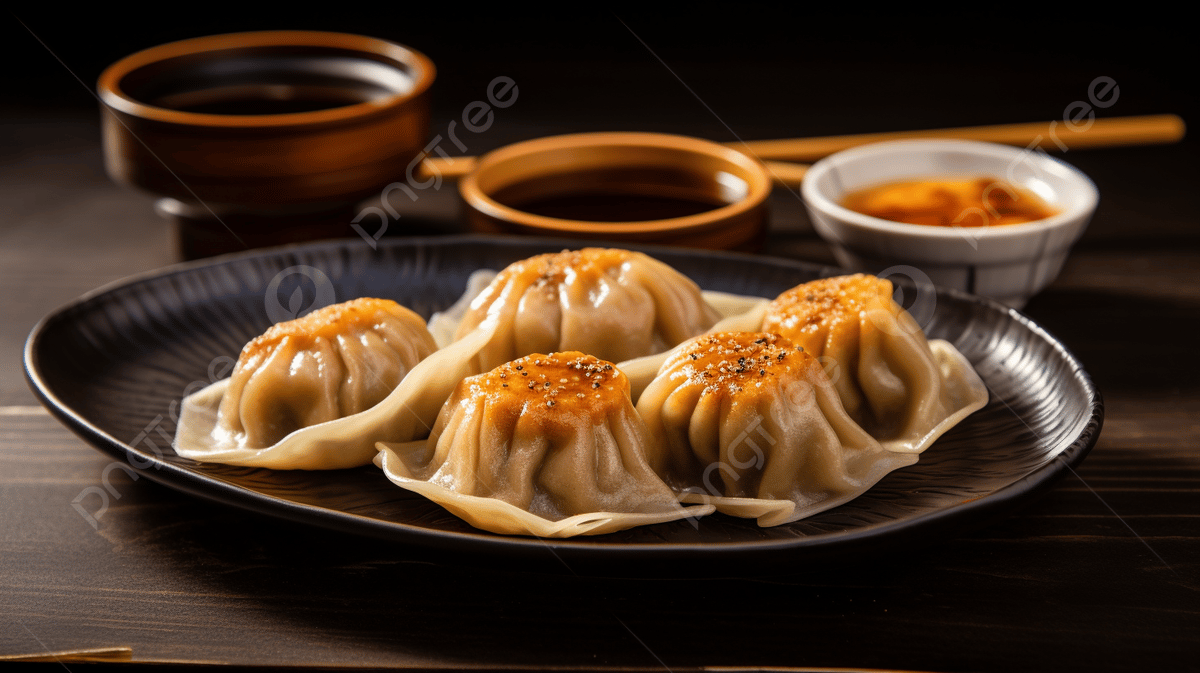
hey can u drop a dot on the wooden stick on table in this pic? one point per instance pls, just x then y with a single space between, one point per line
1052 135
1111 132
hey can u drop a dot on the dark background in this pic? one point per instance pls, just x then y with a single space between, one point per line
761 72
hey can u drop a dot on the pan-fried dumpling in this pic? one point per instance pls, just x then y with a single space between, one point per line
334 362
319 391
546 445
904 390
750 423
613 304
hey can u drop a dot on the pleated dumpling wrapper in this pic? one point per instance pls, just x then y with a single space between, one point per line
751 424
619 305
610 303
317 392
546 445
903 389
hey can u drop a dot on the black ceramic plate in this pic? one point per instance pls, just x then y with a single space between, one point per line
114 365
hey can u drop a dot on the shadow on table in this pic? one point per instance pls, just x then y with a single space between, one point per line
875 611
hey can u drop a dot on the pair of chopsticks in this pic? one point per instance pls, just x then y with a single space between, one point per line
1050 136
778 155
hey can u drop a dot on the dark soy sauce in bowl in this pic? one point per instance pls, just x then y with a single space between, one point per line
262 100
267 84
614 206
637 194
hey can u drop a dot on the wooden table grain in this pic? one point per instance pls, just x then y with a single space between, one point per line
1100 573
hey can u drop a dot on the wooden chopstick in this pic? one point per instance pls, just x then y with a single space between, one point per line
87 655
1110 132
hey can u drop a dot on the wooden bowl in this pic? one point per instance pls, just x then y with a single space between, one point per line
635 187
274 135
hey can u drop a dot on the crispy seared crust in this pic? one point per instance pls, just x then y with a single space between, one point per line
328 322
741 364
807 313
555 267
559 389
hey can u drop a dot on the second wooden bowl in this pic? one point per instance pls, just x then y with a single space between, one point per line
636 187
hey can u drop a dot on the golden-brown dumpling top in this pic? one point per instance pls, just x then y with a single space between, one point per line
548 445
549 393
902 388
330 322
614 304
750 422
712 381
335 362
815 313
739 364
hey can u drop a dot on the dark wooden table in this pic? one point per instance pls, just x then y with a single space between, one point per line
1101 573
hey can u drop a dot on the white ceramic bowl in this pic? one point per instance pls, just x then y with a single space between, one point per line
1009 263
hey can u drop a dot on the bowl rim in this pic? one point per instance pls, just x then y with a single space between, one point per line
845 217
112 95
758 183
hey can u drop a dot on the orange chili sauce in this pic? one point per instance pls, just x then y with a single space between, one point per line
978 202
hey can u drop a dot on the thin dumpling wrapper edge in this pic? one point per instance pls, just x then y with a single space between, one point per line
408 412
546 445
